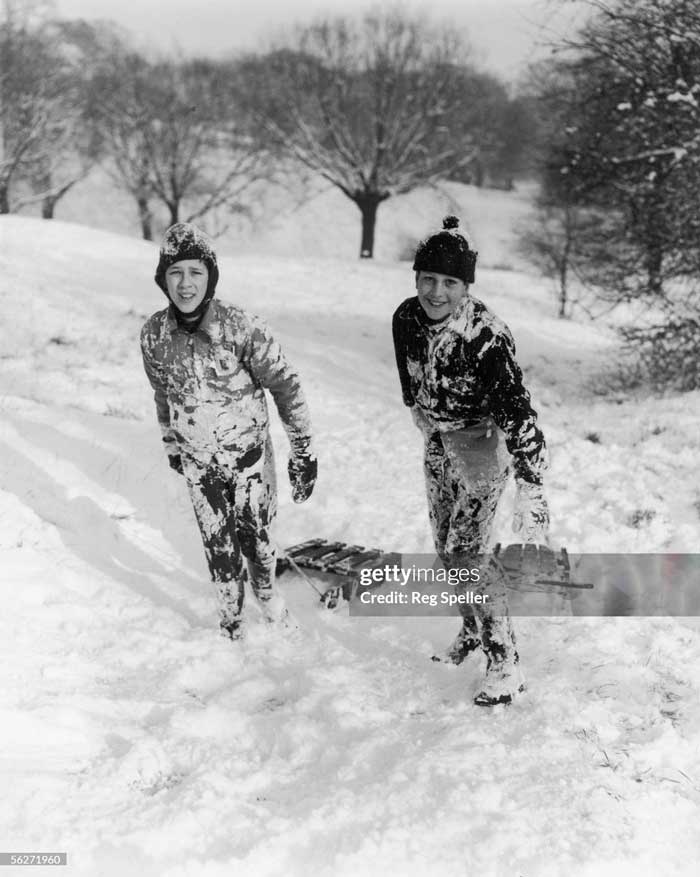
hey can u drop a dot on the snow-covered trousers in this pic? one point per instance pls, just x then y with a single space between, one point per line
466 472
235 502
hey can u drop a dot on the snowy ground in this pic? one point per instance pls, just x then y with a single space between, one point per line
137 740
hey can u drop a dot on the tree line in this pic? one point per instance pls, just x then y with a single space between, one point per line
619 158
375 105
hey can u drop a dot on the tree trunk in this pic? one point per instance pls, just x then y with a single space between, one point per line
654 225
174 208
654 266
48 206
562 289
656 285
4 197
368 202
146 218
479 173
564 261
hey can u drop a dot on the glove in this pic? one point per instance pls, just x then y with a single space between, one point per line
303 471
175 462
531 513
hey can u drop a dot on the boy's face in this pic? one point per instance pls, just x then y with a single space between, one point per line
187 284
439 294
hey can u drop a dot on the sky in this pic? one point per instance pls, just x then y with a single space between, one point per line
506 34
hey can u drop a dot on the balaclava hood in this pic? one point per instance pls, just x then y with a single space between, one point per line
447 252
186 241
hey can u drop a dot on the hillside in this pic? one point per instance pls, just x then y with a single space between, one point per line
138 740
293 219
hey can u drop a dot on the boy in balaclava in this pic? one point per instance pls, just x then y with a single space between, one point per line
209 364
459 377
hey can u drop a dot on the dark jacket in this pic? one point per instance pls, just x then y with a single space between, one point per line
462 370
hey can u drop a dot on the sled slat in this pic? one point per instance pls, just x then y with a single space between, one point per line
301 549
320 551
344 553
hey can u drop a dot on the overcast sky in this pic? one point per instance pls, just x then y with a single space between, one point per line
504 33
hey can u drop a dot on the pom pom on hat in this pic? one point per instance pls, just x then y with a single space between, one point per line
447 252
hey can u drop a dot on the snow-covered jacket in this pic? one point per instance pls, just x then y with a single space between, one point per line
209 384
462 371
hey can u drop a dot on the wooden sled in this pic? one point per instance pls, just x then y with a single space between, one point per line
336 558
527 567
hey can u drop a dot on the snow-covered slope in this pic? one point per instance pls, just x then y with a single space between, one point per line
140 742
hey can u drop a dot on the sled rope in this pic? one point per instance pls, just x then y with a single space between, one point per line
297 569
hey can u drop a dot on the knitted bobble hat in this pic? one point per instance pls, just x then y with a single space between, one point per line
447 252
186 241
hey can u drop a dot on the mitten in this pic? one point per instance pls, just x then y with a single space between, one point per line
303 471
175 462
531 513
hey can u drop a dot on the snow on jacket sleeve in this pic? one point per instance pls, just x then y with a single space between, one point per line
269 367
399 331
154 377
509 405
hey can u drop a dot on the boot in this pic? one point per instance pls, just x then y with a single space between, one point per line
501 683
231 629
503 679
466 642
274 610
229 597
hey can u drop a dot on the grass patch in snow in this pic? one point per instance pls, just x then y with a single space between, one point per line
61 341
121 413
640 517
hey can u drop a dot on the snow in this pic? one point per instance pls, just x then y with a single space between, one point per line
139 741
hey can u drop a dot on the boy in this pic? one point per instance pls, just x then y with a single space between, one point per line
459 377
209 364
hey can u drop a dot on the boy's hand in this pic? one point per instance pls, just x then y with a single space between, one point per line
175 462
531 513
303 471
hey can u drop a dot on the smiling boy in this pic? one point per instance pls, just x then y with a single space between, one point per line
209 364
459 377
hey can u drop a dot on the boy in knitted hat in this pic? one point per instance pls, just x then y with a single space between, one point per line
209 364
459 377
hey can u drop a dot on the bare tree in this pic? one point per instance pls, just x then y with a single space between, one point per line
120 109
73 147
555 236
172 134
44 145
27 92
376 106
548 241
199 152
65 154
